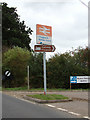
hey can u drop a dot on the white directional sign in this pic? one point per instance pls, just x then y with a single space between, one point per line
79 79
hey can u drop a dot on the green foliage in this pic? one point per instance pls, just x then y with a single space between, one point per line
61 66
40 89
15 89
14 32
36 70
16 61
48 97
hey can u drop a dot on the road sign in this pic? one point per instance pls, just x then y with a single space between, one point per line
83 79
73 79
43 34
7 73
79 79
44 48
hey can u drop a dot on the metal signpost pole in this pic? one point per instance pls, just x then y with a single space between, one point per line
70 83
70 86
44 63
28 76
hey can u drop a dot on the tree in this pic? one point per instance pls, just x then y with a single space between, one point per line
36 70
57 71
16 60
14 32
81 57
61 66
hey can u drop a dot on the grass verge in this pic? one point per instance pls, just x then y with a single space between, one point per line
48 97
15 89
39 89
0 88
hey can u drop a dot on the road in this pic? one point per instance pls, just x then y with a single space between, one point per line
16 108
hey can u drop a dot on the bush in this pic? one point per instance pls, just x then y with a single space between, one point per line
16 61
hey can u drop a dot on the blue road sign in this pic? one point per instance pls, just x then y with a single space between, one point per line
73 79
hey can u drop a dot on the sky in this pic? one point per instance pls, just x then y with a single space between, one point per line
68 18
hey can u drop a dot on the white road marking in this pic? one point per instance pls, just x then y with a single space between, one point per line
74 113
28 101
62 109
86 117
50 105
25 100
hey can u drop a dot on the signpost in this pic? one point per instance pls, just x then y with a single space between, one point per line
44 37
7 76
44 63
44 48
79 79
28 75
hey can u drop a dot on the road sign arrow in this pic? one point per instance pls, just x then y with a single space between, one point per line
53 48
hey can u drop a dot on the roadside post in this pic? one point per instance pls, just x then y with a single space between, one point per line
44 61
7 78
70 86
28 76
73 79
44 39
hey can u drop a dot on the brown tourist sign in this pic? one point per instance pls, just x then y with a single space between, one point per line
44 48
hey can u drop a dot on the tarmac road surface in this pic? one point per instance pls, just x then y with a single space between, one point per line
16 108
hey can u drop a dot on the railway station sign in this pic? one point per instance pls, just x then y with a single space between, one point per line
43 34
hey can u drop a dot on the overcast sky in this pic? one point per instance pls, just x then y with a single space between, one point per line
68 18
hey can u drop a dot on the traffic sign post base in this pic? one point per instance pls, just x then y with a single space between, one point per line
44 93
